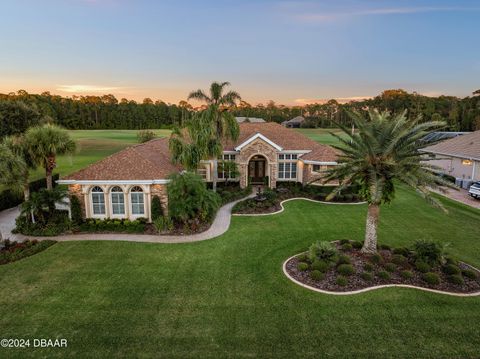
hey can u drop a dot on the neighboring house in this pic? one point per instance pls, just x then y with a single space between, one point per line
458 157
441 136
295 122
122 185
249 119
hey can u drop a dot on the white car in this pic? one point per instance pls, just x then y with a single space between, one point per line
474 190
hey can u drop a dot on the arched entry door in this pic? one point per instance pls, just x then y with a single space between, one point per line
257 170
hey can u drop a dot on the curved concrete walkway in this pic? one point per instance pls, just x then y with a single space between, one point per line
219 226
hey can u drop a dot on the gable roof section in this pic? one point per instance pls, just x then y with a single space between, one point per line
146 161
465 146
262 137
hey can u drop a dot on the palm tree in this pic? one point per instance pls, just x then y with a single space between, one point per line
218 116
12 168
21 148
384 151
46 143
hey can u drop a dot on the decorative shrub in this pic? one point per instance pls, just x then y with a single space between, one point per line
399 260
113 225
303 257
430 252
56 223
390 267
189 201
451 260
357 244
145 136
302 266
322 250
163 224
76 210
345 269
402 251
156 208
343 259
422 266
368 267
376 258
347 247
469 273
367 276
451 269
406 274
13 251
383 275
321 266
341 281
456 279
431 278
316 275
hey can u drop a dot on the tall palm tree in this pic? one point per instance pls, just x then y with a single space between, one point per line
46 143
382 152
217 113
21 148
12 168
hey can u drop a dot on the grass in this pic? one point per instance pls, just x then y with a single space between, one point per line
228 297
93 145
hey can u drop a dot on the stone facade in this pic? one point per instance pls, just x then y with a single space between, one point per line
160 190
76 190
258 147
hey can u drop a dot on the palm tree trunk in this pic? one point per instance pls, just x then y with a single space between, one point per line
370 244
215 175
49 170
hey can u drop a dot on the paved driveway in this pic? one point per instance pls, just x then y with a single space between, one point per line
462 195
7 223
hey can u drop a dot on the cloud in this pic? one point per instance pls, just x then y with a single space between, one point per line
328 16
88 88
308 101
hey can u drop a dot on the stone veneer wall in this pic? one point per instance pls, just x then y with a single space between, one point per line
76 190
258 147
160 190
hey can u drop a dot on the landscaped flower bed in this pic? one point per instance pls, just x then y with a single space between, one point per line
341 267
13 251
269 200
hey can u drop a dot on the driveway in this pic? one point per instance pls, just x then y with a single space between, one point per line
461 195
7 223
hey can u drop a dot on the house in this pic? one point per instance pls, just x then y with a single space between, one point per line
123 184
249 119
458 157
295 122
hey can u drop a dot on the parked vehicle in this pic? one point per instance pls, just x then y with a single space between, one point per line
474 190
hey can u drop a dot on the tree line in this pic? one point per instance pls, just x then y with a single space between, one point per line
20 110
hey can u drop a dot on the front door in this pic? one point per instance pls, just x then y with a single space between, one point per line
256 170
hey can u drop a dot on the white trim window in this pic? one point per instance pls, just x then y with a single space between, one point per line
98 201
287 166
118 201
137 201
221 174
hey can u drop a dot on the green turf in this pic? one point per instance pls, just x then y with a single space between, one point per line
228 297
93 145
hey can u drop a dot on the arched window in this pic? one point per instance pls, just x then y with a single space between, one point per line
118 201
98 201
136 198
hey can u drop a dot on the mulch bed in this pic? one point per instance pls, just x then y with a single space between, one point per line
355 282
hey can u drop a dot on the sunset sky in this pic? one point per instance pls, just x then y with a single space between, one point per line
291 52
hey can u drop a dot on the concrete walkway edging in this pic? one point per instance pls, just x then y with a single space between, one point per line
363 290
293 199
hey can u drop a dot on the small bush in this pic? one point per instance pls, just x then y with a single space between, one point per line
406 274
402 251
385 247
163 224
322 250
145 136
430 252
321 266
451 269
156 208
390 267
76 210
376 258
343 259
341 281
303 257
302 266
431 278
357 244
367 276
347 247
368 267
316 275
422 266
383 275
399 260
470 274
456 279
451 260
345 269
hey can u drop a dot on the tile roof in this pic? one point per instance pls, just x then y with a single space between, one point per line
151 160
465 146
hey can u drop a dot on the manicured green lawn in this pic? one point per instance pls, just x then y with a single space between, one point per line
93 145
228 297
